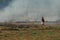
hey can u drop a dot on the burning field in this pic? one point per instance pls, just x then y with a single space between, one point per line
25 12
29 31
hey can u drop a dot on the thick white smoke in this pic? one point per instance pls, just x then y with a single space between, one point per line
20 10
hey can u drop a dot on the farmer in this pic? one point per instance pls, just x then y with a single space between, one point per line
42 21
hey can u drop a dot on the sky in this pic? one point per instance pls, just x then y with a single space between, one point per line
29 10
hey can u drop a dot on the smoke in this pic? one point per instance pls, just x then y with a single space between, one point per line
30 10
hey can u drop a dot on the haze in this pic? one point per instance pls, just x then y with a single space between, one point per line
31 10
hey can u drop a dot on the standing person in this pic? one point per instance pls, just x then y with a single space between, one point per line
42 21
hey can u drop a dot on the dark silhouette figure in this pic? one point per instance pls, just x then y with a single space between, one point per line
42 21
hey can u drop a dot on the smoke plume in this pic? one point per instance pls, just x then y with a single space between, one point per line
29 10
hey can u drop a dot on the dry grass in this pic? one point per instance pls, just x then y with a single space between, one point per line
39 33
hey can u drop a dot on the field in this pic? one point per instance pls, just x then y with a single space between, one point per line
46 32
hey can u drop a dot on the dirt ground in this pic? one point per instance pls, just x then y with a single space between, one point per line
41 33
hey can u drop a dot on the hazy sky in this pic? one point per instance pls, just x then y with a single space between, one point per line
29 10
